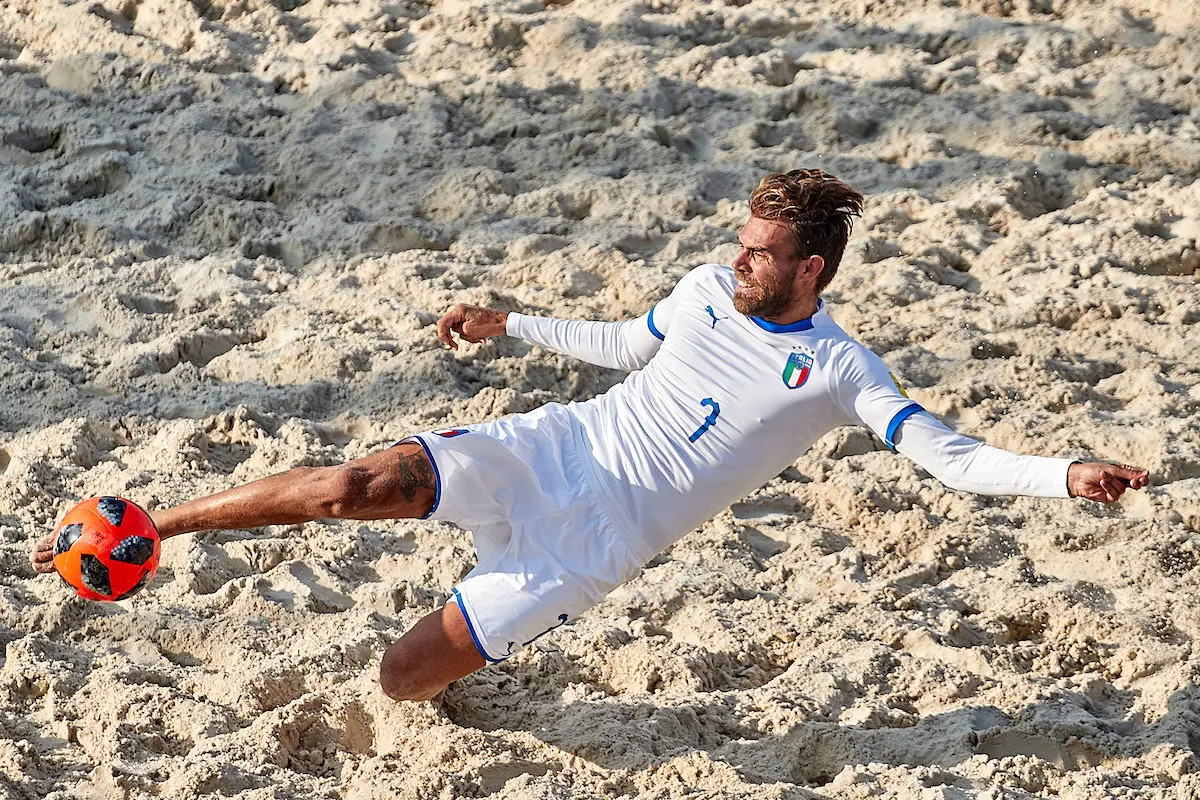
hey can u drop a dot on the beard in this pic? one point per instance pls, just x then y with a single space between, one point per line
766 298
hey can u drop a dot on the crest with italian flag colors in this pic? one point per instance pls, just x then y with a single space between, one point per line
795 371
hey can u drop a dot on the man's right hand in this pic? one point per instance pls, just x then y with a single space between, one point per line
472 323
1104 482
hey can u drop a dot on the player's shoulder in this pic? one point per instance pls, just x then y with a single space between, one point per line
712 271
709 276
850 355
855 363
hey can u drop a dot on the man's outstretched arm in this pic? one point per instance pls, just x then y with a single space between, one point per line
963 463
625 345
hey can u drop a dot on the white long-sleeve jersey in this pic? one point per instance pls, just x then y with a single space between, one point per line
718 403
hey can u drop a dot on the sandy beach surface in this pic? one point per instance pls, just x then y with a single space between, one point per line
227 226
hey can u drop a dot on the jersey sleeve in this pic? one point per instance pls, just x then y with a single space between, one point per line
625 345
963 463
869 395
658 318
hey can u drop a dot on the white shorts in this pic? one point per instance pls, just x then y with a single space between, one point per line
548 549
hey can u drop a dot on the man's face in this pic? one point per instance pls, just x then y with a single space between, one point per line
765 269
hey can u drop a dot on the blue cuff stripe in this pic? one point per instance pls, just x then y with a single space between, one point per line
894 425
650 322
437 477
462 606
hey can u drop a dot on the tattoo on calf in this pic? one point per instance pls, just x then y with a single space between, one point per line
415 474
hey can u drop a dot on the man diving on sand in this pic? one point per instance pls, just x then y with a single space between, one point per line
732 377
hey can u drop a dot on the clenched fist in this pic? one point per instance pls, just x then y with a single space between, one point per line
472 323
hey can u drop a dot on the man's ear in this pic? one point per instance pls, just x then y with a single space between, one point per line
813 267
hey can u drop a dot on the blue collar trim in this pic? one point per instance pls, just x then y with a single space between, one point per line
791 327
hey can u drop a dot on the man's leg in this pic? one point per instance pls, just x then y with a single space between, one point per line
395 483
437 650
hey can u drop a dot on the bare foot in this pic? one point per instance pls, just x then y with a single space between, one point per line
43 555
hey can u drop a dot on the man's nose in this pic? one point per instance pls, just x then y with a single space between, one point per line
742 261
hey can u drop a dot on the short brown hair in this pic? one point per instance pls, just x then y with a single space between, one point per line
817 207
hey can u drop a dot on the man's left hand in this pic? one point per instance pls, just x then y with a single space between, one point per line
1102 482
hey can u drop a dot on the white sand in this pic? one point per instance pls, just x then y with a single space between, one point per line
227 226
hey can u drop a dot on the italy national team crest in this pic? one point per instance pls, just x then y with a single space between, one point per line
795 372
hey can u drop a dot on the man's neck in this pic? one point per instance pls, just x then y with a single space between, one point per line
801 309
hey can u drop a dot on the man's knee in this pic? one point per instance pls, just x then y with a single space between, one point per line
439 649
399 481
400 676
340 491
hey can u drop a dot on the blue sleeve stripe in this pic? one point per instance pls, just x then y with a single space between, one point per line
650 322
437 477
462 606
894 425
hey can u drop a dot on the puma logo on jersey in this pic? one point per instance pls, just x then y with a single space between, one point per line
714 316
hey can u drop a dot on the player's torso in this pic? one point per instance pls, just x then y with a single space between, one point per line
721 408
730 383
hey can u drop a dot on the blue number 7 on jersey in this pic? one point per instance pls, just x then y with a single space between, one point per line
709 421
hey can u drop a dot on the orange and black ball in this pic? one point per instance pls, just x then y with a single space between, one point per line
106 548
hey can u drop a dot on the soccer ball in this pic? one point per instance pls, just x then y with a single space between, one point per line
106 548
